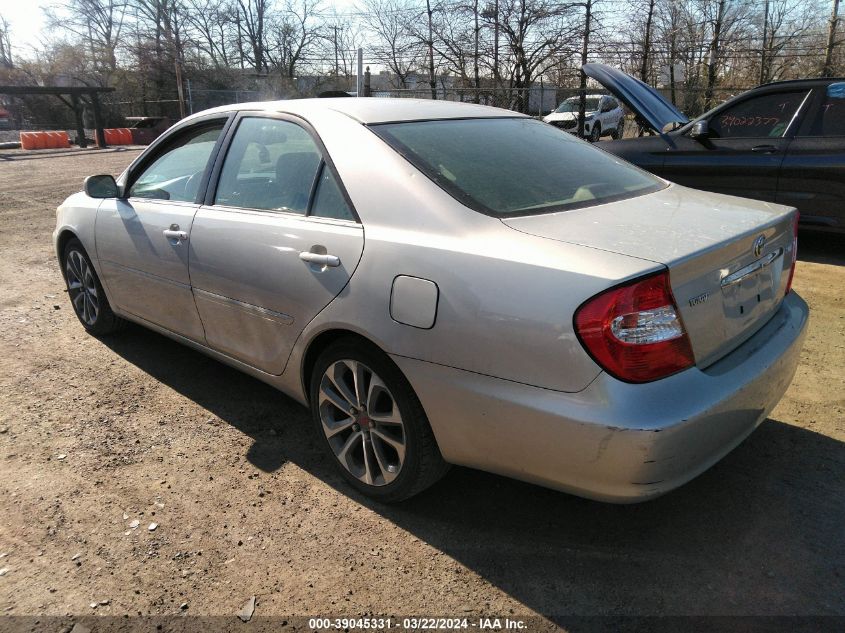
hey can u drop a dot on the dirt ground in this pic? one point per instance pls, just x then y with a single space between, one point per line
96 434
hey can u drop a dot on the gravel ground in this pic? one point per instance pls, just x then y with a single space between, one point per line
98 436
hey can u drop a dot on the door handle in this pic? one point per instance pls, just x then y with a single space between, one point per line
173 233
319 259
764 149
180 236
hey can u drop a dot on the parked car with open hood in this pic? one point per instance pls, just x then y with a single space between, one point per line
782 142
603 116
446 283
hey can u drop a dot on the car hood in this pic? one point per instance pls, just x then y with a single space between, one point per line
643 100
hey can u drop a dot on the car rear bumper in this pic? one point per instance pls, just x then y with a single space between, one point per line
613 441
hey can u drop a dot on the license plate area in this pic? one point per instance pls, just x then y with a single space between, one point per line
751 289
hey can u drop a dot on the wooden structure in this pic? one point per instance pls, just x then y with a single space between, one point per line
76 102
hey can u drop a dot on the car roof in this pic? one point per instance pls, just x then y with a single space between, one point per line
803 84
375 109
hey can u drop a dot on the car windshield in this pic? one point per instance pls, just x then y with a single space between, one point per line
571 105
515 166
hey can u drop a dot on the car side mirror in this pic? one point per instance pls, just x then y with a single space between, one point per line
102 186
700 130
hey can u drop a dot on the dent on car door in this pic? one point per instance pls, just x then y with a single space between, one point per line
813 172
142 239
277 241
743 152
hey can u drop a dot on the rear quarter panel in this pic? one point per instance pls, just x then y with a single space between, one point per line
506 299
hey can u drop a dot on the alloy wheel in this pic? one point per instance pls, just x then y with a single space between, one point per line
362 423
82 287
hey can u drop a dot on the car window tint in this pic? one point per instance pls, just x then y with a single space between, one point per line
828 118
762 116
328 200
515 166
176 174
271 164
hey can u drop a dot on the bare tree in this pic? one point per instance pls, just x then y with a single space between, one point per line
212 23
95 23
295 32
396 46
827 69
251 20
536 32
5 44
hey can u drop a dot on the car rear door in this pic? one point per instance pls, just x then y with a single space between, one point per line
813 172
275 242
743 153
142 239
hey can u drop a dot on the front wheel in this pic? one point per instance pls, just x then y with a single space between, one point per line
86 292
372 424
595 133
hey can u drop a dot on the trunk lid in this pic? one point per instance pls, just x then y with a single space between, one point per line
728 258
643 100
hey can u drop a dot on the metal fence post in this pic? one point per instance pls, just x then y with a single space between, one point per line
359 84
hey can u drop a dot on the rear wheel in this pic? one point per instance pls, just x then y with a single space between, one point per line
372 424
619 132
86 292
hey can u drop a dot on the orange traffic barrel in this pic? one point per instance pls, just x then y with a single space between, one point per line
27 140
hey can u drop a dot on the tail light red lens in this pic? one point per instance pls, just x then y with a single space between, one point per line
634 331
794 252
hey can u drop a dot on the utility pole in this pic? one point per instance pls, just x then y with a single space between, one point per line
496 46
179 89
336 64
476 77
715 52
827 71
647 42
763 74
430 43
582 103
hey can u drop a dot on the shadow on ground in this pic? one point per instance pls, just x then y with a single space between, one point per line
760 533
821 248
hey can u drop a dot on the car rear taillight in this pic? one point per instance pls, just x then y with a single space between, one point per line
794 252
634 331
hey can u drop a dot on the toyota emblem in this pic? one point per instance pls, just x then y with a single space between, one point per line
759 243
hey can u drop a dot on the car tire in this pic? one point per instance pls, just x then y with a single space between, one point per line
595 133
619 131
377 434
86 293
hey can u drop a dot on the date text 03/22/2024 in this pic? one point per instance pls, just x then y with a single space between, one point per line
415 624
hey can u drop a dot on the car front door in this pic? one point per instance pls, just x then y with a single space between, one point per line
744 148
276 241
813 172
142 239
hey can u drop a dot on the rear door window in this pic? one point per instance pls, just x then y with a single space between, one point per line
328 199
763 116
827 118
271 164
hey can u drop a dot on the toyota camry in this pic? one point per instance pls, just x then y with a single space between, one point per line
445 283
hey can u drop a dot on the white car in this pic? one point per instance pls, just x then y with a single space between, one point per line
602 116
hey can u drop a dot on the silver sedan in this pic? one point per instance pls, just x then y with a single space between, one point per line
445 283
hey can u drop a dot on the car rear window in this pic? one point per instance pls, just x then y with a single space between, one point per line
515 166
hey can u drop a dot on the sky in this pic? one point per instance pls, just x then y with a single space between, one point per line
26 21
